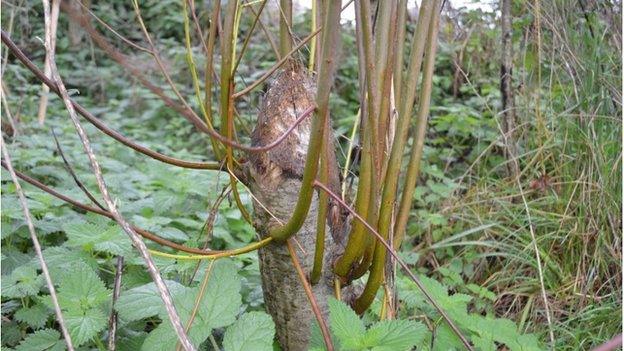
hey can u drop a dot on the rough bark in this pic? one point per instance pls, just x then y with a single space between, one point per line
507 93
275 180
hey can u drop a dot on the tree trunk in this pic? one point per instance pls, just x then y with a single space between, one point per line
275 180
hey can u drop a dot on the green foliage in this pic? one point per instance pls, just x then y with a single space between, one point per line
42 340
81 295
23 281
253 330
349 332
469 234
35 316
484 331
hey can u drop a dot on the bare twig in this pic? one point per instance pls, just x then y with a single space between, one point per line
70 169
36 245
136 239
43 102
112 322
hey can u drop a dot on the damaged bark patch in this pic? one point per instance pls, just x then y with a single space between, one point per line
275 179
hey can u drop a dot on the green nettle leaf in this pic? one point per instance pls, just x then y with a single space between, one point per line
23 281
394 335
252 331
42 340
11 333
144 301
35 316
82 288
99 236
483 343
345 324
503 331
60 260
83 325
482 292
81 293
444 339
83 233
349 332
455 305
173 233
218 307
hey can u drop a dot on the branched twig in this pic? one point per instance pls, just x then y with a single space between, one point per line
36 245
136 239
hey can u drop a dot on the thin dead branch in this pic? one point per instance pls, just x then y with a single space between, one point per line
36 245
43 102
112 321
71 172
136 239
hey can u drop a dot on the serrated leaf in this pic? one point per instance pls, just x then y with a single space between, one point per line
455 305
483 343
35 316
482 292
61 259
144 301
395 335
23 281
345 324
42 340
252 331
12 258
83 233
82 288
84 325
444 339
99 236
173 233
217 308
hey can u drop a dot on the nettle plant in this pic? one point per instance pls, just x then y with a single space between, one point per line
326 251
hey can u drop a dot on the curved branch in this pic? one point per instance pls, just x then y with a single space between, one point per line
403 265
36 245
99 124
147 235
